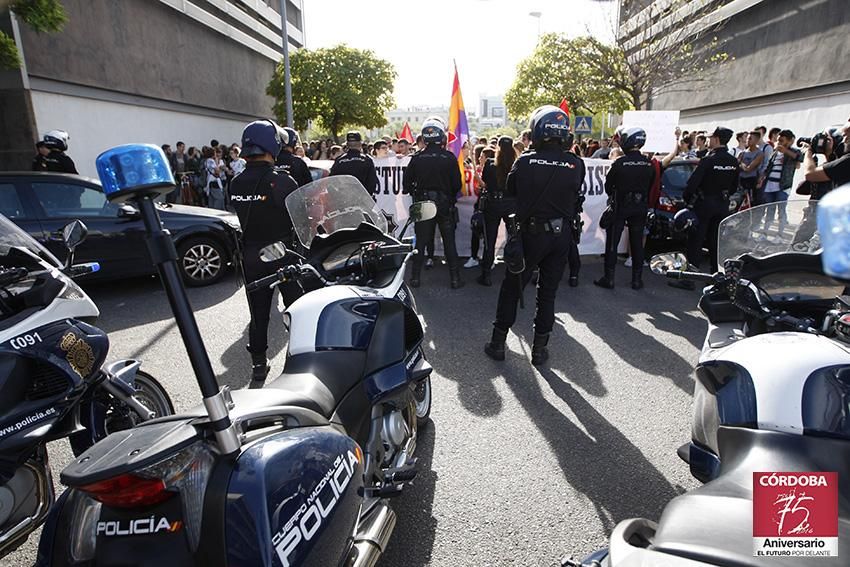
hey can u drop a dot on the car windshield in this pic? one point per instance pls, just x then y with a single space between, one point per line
770 229
12 236
332 203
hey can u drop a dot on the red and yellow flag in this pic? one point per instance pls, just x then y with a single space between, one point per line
458 133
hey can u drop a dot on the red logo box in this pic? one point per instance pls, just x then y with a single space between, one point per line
795 504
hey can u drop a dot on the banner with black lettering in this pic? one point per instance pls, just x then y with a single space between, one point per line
394 201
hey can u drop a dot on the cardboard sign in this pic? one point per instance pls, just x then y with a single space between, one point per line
660 126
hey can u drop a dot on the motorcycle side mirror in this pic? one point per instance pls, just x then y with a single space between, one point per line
73 234
423 211
662 263
273 252
418 212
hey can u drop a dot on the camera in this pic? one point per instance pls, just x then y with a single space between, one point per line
818 142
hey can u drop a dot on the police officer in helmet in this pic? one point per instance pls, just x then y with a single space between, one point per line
628 184
433 175
291 163
355 162
258 195
547 184
57 160
707 195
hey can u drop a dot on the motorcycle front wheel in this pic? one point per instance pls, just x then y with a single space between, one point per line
422 398
105 414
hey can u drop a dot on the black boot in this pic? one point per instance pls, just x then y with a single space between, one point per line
456 282
539 352
415 276
637 280
259 370
606 281
495 349
573 281
485 279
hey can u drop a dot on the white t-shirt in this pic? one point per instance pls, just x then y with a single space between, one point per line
238 166
775 174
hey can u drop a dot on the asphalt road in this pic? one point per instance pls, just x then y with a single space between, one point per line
521 466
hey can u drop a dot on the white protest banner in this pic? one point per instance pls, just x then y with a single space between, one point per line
392 199
660 126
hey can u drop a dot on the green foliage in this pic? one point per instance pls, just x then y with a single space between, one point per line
40 15
573 68
338 87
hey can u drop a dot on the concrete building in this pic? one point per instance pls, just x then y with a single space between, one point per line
492 111
789 70
151 71
416 115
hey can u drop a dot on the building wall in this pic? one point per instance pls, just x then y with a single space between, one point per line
790 69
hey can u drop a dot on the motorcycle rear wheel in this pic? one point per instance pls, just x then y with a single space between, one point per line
422 398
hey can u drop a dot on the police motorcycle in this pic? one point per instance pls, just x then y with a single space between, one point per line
53 384
297 473
771 392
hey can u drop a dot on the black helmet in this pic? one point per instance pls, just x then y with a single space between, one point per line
550 123
724 134
261 137
290 137
56 140
433 131
632 138
684 220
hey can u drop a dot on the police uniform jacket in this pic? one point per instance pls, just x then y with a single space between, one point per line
433 170
630 180
715 178
360 166
258 195
534 171
295 167
59 162
38 163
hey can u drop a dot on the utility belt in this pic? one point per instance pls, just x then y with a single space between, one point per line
634 198
718 196
538 226
494 196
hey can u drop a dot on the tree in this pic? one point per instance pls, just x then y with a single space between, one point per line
40 15
560 68
667 46
338 87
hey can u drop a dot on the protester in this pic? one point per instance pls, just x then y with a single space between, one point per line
403 148
496 204
216 176
604 151
750 161
381 149
780 174
701 146
237 163
322 152
519 148
179 162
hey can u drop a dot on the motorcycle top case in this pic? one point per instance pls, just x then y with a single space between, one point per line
291 498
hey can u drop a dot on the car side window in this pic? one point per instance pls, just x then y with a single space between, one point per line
10 202
67 200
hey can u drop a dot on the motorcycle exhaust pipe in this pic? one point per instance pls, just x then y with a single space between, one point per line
373 536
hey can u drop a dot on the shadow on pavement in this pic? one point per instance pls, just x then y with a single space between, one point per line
602 463
413 539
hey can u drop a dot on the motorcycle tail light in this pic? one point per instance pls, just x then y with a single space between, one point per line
185 473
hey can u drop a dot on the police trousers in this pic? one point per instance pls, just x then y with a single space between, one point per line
495 211
260 300
635 219
547 251
425 234
709 213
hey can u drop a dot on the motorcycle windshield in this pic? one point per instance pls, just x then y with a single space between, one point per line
11 235
331 204
769 229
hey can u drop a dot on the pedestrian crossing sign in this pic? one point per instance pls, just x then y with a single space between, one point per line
584 124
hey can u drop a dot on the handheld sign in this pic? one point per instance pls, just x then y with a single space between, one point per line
660 126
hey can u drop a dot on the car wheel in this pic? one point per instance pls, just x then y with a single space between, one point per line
202 261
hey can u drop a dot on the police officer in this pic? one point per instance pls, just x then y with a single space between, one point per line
57 160
38 163
433 175
707 195
355 162
547 183
291 163
258 195
628 184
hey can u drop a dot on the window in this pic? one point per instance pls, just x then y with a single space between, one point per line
66 200
10 203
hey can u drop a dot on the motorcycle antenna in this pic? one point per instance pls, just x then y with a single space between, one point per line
139 173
